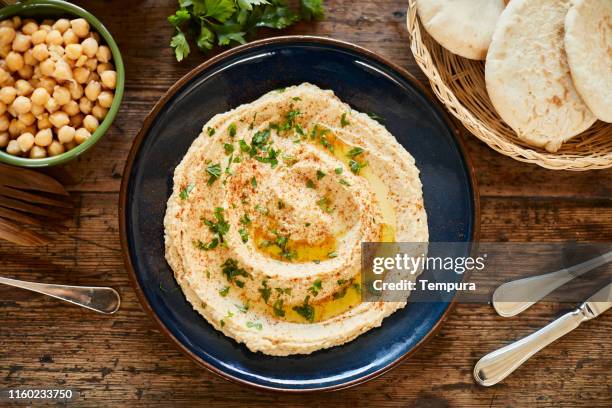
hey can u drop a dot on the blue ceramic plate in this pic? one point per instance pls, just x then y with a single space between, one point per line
369 84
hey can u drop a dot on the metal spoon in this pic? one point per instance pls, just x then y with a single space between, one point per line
536 287
100 299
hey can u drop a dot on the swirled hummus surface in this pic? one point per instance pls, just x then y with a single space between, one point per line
269 208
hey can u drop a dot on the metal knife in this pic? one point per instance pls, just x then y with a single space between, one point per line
497 365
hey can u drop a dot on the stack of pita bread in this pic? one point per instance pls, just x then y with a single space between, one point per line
548 69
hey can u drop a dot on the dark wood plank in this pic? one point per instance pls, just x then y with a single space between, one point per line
123 359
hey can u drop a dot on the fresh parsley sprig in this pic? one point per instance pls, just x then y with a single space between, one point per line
229 21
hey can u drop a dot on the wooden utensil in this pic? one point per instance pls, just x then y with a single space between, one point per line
26 196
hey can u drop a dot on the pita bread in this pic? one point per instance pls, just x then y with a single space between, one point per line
588 43
464 27
527 75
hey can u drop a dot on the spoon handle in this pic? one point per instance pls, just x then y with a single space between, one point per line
513 297
100 299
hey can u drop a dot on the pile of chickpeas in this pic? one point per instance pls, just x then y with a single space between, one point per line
57 84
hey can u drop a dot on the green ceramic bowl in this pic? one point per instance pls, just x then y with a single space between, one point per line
40 9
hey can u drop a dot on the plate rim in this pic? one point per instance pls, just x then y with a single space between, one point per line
140 137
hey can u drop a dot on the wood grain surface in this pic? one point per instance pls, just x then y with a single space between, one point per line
123 360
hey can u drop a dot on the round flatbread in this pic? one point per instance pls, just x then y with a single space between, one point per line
528 78
464 27
588 43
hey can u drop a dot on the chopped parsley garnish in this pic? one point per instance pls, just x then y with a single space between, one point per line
211 131
376 117
261 210
290 120
206 247
338 170
229 148
344 182
340 294
223 292
220 227
296 98
232 130
278 308
231 271
254 181
354 152
332 254
242 308
305 310
281 90
344 121
271 158
310 183
244 235
245 220
317 285
356 166
265 291
215 172
325 205
320 174
255 325
357 287
184 194
341 281
289 160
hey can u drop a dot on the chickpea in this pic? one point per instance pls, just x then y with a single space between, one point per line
27 119
81 61
30 27
14 61
41 52
7 35
91 64
16 128
37 110
74 51
70 37
61 25
105 99
81 75
90 123
4 139
26 141
54 37
55 148
4 50
48 84
44 137
104 66
56 52
8 94
61 95
11 110
6 23
85 105
22 104
81 135
92 90
51 106
38 152
46 25
21 42
16 22
39 37
26 72
109 79
5 77
70 145
71 108
2 108
99 112
66 134
76 120
90 47
28 58
13 148
40 96
103 54
4 122
62 72
47 67
23 87
76 90
43 122
59 119
80 26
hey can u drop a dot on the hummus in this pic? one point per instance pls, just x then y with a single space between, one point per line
270 206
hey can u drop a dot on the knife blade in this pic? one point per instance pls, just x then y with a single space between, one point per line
496 366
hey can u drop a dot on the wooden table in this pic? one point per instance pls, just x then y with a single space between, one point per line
124 358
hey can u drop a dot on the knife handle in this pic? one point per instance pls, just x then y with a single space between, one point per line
497 365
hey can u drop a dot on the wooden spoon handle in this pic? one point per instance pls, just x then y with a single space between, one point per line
29 180
18 235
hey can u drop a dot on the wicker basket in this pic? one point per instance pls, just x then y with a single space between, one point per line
460 84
